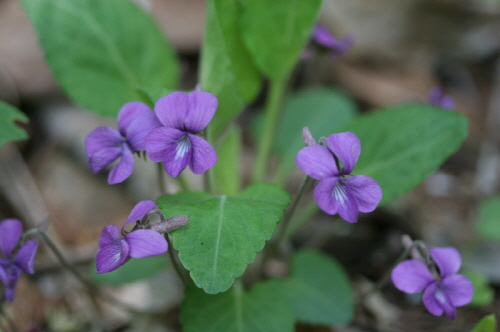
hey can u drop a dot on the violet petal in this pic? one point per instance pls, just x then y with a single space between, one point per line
103 158
317 162
10 275
346 201
172 109
135 121
10 233
139 211
323 194
437 301
25 257
323 36
202 107
124 168
459 289
112 256
447 259
203 155
411 276
366 190
145 243
346 147
109 236
170 146
102 138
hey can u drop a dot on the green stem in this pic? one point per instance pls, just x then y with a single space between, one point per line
299 219
8 319
161 178
266 139
387 276
175 261
90 286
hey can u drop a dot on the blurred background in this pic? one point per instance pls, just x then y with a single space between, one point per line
401 50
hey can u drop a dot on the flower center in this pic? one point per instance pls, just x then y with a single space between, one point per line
183 146
340 193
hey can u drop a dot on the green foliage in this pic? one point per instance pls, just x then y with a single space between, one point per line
276 32
101 51
227 70
488 224
323 110
486 324
319 290
223 233
9 131
262 309
483 293
227 171
403 144
133 270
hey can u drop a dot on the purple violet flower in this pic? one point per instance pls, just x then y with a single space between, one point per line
336 193
176 144
115 251
12 265
437 97
337 47
443 288
104 145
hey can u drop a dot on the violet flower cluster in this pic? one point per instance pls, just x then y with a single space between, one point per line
335 192
12 262
168 135
144 240
444 289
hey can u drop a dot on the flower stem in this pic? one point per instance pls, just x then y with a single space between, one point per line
8 319
89 285
161 178
175 261
420 245
266 139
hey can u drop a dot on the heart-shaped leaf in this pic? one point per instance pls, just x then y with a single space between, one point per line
262 309
224 233
319 290
403 144
101 51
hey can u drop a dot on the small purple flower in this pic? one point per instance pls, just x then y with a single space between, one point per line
115 251
437 97
336 47
336 193
104 145
12 265
443 289
176 144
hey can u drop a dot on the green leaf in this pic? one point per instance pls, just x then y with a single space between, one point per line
101 51
323 110
486 324
133 270
488 224
9 131
403 144
319 290
276 32
483 293
227 70
262 309
227 171
223 233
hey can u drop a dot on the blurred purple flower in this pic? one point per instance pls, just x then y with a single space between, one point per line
437 97
115 251
176 144
443 289
12 265
104 145
336 47
336 193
